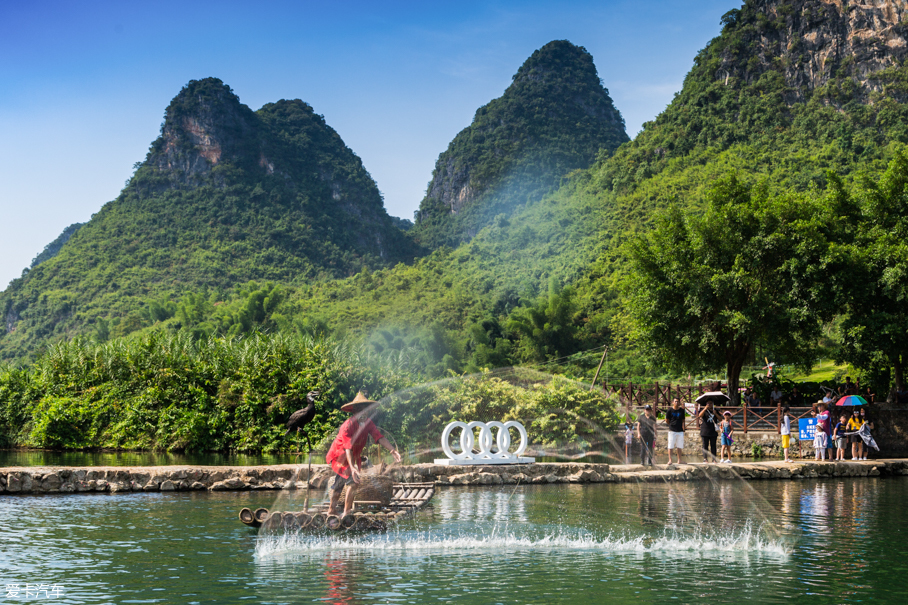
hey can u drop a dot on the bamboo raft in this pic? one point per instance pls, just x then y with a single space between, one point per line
367 515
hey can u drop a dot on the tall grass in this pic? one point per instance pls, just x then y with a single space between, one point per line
171 391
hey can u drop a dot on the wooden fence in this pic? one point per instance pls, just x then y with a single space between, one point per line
659 395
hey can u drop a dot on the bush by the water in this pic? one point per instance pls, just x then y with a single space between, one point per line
174 392
558 413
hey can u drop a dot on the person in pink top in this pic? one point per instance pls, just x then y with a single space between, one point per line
345 455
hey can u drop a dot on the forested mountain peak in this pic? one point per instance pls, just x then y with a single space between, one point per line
225 196
555 117
795 87
561 67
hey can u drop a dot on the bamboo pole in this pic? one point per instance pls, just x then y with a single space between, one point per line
601 361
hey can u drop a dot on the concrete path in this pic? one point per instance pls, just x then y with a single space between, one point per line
46 480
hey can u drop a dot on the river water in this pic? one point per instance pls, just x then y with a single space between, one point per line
817 541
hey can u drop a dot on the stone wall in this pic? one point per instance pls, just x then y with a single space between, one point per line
47 480
155 478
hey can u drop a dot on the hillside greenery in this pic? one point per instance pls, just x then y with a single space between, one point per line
176 392
810 180
554 118
286 201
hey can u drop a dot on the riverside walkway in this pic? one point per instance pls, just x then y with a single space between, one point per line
114 479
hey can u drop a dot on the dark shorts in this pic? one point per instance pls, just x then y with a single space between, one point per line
340 482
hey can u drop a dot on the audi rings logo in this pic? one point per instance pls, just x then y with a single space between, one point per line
492 449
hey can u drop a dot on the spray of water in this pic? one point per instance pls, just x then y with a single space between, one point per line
749 540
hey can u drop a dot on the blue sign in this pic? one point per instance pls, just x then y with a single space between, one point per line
807 428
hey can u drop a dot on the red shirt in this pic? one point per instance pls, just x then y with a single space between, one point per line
351 436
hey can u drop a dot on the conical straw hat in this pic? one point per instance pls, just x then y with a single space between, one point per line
360 402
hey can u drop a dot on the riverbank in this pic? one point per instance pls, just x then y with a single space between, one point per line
56 480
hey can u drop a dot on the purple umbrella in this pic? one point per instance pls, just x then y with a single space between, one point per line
851 400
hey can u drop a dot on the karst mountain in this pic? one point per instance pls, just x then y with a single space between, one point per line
224 196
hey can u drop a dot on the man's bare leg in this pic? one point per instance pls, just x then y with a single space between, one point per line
335 496
348 502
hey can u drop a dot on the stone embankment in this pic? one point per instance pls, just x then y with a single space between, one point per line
39 480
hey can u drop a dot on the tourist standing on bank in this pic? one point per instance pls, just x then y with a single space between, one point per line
628 441
854 425
674 418
646 432
786 431
727 430
838 434
865 418
819 436
709 430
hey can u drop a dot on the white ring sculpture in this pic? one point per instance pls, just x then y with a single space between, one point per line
486 455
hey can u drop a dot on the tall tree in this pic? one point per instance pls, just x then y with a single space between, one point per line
875 323
549 327
704 286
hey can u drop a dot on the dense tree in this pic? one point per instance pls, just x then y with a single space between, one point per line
704 287
875 291
547 328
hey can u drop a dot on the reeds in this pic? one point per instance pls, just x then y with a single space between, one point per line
172 391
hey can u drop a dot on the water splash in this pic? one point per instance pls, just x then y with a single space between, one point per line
746 541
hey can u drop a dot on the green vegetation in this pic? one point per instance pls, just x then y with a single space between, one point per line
176 392
824 370
706 286
51 249
875 290
558 413
554 118
761 214
275 195
225 394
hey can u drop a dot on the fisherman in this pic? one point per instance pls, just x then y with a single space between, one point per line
348 447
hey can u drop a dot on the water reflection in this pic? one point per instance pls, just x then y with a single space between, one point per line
481 505
830 541
340 576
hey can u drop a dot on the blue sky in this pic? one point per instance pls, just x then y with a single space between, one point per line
83 85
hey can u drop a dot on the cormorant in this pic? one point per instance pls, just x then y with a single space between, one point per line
300 418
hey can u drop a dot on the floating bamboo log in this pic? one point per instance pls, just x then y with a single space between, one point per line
406 500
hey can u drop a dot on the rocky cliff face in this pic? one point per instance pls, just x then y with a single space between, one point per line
554 117
204 125
814 41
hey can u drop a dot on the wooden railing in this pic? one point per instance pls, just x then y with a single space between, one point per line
743 418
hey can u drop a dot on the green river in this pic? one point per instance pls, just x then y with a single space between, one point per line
832 541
